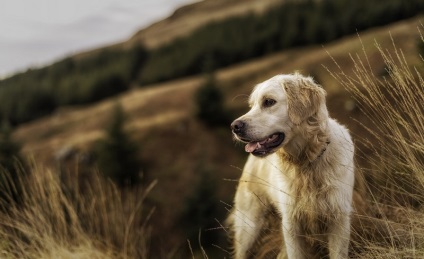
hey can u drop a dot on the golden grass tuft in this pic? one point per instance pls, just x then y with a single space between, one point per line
57 219
393 151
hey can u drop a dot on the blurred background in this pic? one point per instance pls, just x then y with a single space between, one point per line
127 94
37 34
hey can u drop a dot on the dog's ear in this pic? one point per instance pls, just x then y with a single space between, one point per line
304 97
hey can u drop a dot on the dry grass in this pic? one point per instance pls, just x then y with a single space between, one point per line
393 103
74 220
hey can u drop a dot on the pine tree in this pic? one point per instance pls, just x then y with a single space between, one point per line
11 164
202 208
117 154
210 103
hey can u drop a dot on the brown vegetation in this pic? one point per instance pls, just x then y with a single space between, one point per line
72 219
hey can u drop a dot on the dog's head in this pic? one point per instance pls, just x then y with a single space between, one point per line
279 108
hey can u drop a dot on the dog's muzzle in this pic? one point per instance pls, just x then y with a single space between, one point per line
257 147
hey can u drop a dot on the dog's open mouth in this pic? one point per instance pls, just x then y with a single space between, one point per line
264 147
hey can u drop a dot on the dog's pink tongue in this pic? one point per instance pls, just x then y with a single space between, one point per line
250 147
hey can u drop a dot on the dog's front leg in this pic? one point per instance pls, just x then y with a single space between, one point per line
338 239
292 240
247 220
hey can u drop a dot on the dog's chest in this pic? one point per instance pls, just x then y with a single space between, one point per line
311 207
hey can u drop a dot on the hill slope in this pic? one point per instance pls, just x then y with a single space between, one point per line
189 18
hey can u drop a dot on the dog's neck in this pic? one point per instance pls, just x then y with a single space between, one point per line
308 145
323 149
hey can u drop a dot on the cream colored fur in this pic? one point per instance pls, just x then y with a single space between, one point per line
309 178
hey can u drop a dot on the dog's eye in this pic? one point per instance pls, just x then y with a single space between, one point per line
268 102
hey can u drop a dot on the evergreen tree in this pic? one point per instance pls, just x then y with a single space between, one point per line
202 209
11 164
420 47
138 56
117 153
210 103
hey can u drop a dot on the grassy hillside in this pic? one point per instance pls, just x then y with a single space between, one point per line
191 17
225 38
179 151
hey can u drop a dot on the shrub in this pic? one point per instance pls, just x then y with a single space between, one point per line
106 86
210 103
117 155
11 166
201 209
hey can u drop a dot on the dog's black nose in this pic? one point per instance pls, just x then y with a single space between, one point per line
237 126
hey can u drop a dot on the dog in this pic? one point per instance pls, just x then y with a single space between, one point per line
300 163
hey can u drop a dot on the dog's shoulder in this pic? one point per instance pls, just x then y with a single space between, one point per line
341 139
339 130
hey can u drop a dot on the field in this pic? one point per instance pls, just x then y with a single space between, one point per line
179 152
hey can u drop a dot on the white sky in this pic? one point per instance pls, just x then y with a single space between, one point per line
37 32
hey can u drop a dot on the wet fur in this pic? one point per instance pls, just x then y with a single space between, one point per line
308 179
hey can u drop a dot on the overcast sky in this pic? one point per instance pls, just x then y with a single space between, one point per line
37 32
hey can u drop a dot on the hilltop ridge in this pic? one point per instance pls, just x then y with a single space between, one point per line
188 18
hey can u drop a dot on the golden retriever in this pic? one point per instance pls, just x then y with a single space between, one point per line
301 163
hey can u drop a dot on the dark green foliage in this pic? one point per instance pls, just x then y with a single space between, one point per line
138 56
293 24
38 92
106 86
117 154
11 165
420 46
201 210
28 106
9 150
210 103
